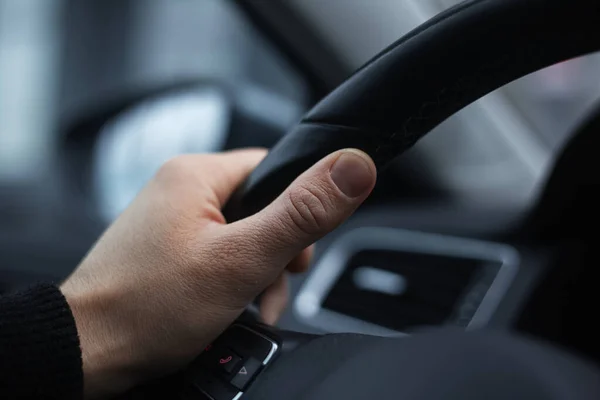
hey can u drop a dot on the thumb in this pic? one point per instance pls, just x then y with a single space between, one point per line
316 203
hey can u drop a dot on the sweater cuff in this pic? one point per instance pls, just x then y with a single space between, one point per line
39 348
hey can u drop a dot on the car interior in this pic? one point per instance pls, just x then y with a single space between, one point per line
469 273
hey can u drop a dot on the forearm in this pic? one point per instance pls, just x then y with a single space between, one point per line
40 356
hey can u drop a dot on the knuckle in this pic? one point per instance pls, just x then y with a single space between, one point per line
309 209
173 168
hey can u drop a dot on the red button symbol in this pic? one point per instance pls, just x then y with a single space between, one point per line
208 347
225 360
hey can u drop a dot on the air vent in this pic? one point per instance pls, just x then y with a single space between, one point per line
436 289
385 281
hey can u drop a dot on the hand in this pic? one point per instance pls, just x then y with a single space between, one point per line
170 275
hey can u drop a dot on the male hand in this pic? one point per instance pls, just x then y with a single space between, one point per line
170 274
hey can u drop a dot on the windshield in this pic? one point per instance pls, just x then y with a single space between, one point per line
496 151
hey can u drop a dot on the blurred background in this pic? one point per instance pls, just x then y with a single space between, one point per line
95 95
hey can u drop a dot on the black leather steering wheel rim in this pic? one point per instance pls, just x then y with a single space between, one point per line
421 80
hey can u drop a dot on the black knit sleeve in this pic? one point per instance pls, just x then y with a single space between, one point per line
39 348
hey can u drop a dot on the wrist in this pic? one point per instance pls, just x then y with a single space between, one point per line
105 343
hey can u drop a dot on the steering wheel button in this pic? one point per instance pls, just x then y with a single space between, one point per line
245 373
224 360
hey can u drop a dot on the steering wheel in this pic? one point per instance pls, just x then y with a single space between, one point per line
383 109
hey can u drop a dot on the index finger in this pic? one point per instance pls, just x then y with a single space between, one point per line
228 170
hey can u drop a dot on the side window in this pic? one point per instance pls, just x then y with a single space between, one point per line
60 59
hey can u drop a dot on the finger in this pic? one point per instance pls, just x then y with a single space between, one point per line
301 262
274 300
217 174
316 203
230 169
